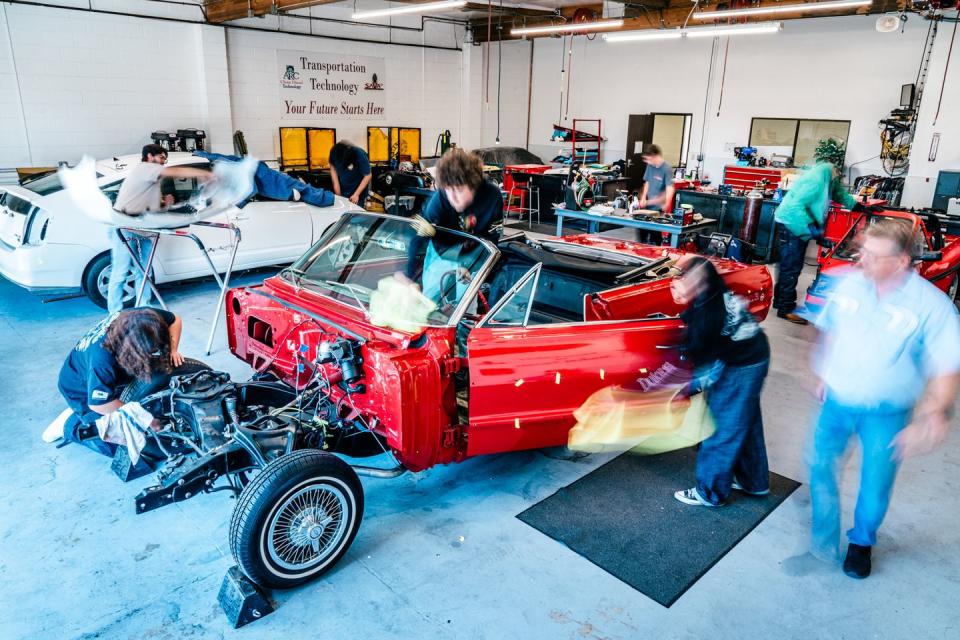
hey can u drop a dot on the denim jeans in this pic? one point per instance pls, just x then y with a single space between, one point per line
71 433
876 430
121 264
737 447
792 252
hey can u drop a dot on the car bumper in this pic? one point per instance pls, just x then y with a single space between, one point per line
45 269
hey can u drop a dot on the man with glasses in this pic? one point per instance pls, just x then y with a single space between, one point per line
141 193
888 362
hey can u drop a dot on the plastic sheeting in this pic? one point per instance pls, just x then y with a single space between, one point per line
647 422
398 305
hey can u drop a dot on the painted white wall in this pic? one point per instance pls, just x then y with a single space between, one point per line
829 68
96 84
99 84
481 99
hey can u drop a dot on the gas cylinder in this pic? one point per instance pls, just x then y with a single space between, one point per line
752 207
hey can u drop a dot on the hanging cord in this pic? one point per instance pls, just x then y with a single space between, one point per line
723 76
946 67
499 64
696 3
706 100
563 71
566 113
486 55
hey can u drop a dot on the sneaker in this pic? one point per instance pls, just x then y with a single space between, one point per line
691 496
790 316
54 430
857 563
738 487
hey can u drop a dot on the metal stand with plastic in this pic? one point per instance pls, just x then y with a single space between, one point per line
224 282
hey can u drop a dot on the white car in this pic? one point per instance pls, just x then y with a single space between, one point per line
49 247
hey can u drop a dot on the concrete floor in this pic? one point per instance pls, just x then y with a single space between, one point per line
440 553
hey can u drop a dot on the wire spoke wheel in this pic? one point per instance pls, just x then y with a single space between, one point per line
296 518
306 527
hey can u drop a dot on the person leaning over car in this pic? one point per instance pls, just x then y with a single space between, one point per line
140 193
136 344
350 170
464 201
800 218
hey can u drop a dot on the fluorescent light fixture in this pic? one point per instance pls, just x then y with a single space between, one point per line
427 7
803 7
638 36
734 30
568 27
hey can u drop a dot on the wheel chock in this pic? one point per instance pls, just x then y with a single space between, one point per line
241 600
126 471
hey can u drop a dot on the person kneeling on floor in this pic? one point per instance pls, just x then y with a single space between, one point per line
128 345
731 356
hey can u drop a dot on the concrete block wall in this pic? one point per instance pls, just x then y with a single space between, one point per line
95 84
422 89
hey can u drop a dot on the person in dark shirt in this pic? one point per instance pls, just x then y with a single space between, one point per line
134 344
731 356
464 201
350 170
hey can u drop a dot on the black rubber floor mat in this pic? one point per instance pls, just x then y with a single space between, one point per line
623 518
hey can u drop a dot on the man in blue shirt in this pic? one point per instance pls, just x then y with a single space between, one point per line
888 361
350 170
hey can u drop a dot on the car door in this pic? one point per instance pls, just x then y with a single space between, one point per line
527 380
272 231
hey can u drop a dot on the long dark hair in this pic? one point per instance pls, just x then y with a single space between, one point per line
139 339
707 313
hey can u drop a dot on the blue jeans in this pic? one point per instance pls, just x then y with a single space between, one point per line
121 264
792 251
736 448
71 433
876 429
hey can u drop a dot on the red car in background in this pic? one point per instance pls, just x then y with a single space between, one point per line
937 253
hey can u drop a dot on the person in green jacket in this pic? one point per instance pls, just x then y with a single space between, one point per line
801 217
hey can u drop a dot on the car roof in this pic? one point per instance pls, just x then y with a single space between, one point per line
118 166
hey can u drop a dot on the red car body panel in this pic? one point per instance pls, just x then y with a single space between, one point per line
938 272
525 382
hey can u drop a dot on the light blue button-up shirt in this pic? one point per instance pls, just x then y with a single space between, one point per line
880 352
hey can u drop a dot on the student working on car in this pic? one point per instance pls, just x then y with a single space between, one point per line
800 218
136 344
350 171
464 201
140 193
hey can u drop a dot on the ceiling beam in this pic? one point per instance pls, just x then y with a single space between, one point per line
673 17
224 10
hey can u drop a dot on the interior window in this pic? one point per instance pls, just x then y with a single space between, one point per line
514 309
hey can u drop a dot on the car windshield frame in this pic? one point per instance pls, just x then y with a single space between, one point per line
298 273
848 248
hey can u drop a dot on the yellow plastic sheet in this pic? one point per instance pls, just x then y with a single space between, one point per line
647 422
399 306
378 144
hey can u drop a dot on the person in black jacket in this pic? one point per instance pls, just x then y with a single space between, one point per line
464 201
731 356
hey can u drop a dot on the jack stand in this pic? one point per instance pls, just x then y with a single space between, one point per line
126 471
241 600
182 233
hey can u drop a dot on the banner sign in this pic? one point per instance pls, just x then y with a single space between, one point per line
331 86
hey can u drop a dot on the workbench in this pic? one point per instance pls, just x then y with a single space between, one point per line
621 218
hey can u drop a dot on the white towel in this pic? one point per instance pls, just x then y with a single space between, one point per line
126 426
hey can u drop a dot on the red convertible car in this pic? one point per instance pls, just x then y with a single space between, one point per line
520 334
937 253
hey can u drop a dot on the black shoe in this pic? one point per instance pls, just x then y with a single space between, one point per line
790 316
857 563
